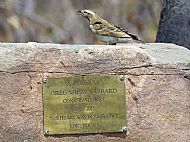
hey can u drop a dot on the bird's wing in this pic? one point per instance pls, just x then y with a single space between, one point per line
104 28
125 31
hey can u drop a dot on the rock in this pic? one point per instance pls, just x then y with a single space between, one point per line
174 26
157 88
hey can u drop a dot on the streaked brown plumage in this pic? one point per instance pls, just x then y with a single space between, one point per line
105 31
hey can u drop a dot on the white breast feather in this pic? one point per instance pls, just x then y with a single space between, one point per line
92 28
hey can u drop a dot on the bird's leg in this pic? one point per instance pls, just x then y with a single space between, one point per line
108 43
112 43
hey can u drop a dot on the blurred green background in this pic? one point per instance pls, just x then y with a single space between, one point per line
57 20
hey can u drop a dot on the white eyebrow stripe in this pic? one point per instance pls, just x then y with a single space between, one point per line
90 12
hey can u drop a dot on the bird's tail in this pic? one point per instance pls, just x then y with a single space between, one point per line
134 37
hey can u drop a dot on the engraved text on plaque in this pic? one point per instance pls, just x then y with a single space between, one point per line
84 104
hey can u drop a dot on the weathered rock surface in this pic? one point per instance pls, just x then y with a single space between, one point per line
174 25
157 88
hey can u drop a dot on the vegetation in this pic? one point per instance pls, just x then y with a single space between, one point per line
58 22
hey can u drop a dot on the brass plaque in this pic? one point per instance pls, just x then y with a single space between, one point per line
84 104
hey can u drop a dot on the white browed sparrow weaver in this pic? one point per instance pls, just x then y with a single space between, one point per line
105 31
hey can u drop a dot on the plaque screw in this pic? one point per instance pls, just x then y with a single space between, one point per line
46 131
45 80
122 77
125 129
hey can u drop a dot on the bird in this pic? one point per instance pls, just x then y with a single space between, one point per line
107 32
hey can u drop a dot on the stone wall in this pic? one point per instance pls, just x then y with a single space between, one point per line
157 78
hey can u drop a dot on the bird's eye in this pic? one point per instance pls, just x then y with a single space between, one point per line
85 12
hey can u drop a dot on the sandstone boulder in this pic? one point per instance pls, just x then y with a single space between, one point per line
157 78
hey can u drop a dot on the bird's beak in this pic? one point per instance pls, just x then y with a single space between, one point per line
79 13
